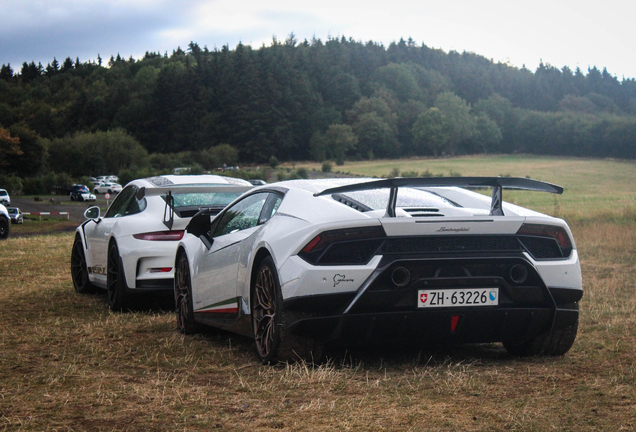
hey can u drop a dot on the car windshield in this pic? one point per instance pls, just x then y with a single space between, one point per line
3 192
378 199
12 211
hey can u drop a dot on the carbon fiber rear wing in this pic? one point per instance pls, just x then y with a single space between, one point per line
496 183
168 191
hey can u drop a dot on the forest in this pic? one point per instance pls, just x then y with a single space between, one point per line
337 99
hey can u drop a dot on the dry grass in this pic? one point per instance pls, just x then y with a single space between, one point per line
68 363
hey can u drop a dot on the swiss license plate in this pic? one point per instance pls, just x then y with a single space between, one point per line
459 297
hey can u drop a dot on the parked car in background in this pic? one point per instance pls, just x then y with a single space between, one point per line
107 187
410 261
130 249
15 215
257 182
5 199
5 223
80 192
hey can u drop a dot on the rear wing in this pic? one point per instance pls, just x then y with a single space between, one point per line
496 183
168 191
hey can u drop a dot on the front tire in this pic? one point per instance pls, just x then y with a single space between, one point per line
5 227
552 343
116 287
79 271
183 297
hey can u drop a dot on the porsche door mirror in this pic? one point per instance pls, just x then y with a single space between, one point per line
92 213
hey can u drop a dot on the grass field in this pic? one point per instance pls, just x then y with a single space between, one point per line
68 363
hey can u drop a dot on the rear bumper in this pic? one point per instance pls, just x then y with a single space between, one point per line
383 311
472 326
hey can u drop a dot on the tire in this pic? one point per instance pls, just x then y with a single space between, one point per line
552 343
96 192
72 197
183 297
5 227
79 271
110 191
271 336
116 288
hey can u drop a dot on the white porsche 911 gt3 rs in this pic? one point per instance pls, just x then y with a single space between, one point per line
131 248
301 263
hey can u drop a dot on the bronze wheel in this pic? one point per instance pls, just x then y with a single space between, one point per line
266 311
183 296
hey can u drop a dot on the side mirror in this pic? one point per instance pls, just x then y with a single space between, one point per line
92 213
200 226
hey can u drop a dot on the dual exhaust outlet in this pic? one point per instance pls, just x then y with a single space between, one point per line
401 277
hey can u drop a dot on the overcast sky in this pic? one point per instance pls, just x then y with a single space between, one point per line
573 33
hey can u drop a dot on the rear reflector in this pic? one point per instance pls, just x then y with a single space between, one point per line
454 321
160 236
161 270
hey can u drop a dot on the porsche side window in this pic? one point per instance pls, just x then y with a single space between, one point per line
242 215
119 206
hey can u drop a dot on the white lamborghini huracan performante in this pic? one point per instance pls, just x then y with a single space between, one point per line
131 249
299 264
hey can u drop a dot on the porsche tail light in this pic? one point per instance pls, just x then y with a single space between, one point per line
559 234
344 246
160 235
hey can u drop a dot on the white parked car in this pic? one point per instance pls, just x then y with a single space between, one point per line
107 187
131 248
5 223
5 199
301 263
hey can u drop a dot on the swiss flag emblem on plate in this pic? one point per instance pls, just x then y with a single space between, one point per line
423 298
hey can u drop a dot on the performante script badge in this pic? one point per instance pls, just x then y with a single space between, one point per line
338 278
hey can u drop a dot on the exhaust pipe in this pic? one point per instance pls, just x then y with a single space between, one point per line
400 277
518 274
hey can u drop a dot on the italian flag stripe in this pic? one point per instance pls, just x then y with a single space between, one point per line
226 306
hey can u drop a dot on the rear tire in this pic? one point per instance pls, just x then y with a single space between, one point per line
79 271
552 343
116 288
271 324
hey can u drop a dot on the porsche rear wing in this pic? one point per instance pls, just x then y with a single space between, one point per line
496 183
168 191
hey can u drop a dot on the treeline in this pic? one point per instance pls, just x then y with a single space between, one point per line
338 99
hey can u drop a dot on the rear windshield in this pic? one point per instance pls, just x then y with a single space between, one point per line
12 210
212 199
378 199
3 192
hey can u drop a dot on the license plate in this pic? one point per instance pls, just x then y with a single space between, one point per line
460 297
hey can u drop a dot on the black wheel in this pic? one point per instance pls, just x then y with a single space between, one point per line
80 198
110 191
79 272
116 287
96 192
553 343
271 334
72 197
5 227
183 297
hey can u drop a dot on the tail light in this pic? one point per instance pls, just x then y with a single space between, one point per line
559 234
343 246
160 235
